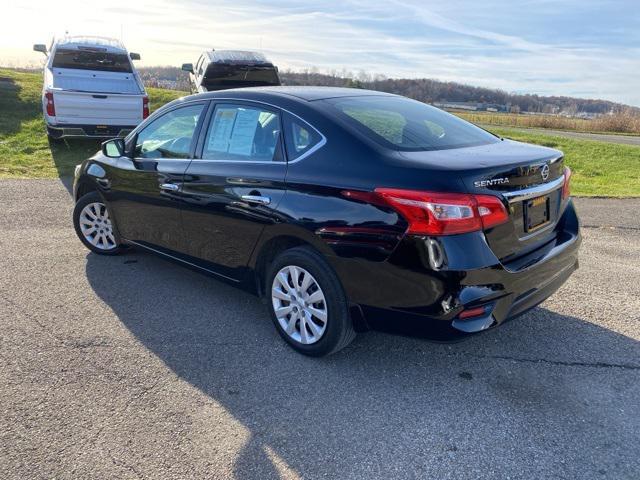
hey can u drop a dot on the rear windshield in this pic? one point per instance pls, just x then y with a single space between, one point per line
87 60
229 76
407 125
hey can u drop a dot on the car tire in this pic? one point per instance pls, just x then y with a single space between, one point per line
313 317
93 225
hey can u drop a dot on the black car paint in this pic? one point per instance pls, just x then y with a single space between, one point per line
397 282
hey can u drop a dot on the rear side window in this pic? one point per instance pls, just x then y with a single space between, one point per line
299 137
243 133
407 125
89 60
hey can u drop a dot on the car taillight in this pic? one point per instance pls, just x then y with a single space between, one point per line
433 213
51 108
566 190
145 107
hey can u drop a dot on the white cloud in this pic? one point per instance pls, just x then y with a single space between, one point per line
448 41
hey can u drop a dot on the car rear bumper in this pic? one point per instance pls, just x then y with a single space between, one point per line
426 284
89 131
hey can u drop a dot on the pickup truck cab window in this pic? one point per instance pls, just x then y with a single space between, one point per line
169 136
242 133
88 60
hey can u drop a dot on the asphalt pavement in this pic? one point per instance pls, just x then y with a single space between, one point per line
134 367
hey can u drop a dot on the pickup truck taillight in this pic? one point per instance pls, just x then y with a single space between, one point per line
51 108
145 107
566 187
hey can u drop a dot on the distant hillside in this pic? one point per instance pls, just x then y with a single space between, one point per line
423 89
435 91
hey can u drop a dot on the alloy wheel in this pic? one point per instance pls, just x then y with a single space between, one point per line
299 304
95 226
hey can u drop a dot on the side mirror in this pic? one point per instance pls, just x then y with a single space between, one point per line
40 47
134 56
113 148
187 67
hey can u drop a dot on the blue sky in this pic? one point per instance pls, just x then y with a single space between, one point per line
583 48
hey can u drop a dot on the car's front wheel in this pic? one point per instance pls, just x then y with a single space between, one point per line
93 225
308 305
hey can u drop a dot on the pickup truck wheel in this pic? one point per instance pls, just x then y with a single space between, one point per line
93 225
308 306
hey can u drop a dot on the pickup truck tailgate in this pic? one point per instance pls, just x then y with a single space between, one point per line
97 108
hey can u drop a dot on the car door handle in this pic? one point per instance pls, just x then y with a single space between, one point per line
171 187
259 199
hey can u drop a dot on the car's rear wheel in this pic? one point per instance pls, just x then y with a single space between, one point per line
93 225
308 305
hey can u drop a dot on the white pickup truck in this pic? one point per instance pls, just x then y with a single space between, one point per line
91 88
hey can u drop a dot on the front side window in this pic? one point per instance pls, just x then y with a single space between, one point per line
169 136
407 125
242 133
91 60
299 137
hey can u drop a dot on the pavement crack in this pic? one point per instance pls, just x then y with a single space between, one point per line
624 366
124 464
43 327
611 227
124 408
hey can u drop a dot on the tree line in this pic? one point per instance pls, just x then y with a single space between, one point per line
431 91
422 89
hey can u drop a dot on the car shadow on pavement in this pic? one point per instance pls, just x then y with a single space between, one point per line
385 402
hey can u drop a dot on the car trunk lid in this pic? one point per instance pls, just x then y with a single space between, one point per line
528 178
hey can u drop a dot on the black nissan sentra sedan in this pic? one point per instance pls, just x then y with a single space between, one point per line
345 209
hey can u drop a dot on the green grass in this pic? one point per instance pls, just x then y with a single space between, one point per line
617 124
600 169
25 151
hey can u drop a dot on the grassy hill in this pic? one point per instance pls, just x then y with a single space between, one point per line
24 148
599 168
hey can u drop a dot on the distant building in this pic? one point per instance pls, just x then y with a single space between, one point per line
154 82
170 84
473 106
